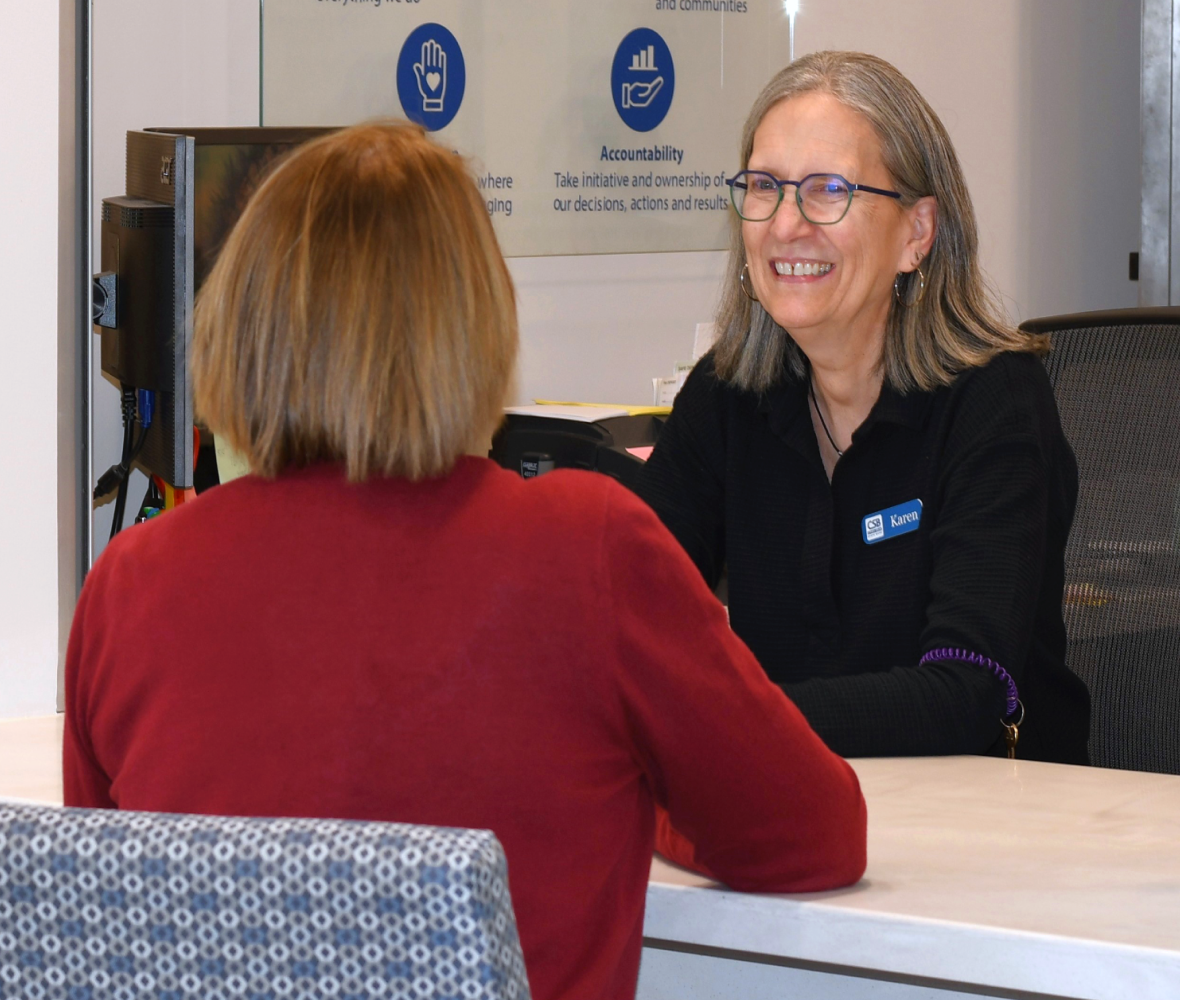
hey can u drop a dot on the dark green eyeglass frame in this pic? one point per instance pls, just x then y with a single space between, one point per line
741 182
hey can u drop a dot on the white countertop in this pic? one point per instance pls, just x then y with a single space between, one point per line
1008 875
999 874
30 758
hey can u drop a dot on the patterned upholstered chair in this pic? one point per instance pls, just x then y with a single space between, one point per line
99 904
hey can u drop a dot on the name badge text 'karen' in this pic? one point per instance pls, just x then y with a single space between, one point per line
892 521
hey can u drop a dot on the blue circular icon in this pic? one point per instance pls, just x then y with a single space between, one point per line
642 79
431 76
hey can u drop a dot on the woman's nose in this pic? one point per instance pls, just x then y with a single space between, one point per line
788 222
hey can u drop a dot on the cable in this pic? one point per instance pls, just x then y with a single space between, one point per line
116 477
124 466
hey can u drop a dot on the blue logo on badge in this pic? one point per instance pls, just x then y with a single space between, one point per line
431 76
642 79
893 521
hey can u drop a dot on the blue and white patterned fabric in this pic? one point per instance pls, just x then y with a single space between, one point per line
98 904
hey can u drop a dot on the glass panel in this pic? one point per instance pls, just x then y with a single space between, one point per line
587 132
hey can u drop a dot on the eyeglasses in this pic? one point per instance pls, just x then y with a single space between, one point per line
823 199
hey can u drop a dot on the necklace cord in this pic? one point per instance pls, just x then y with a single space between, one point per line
823 423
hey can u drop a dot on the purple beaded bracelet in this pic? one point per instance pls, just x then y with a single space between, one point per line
966 656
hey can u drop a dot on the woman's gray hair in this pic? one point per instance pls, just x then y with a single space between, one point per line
955 323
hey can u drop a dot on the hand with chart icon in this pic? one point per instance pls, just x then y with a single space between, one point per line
642 79
640 95
431 76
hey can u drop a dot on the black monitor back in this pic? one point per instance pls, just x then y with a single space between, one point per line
147 244
185 190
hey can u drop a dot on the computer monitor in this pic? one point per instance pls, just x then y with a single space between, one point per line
185 190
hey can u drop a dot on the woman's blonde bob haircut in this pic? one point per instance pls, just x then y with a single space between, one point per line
360 312
955 324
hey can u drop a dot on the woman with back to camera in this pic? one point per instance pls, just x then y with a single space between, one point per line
871 450
374 626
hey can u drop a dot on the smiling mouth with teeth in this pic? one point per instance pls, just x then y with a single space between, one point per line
802 268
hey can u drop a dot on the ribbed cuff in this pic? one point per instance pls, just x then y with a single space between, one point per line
966 656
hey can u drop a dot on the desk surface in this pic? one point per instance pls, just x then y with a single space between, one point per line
30 758
1009 875
998 874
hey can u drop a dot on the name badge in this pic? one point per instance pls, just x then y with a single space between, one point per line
893 521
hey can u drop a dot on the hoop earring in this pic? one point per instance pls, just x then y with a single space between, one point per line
897 293
921 286
742 282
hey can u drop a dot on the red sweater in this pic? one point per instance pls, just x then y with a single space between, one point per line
536 657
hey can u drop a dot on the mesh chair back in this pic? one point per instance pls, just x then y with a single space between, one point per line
1116 376
105 904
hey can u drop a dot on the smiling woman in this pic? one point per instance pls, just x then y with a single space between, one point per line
871 450
824 270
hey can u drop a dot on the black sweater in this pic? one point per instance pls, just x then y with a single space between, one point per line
841 623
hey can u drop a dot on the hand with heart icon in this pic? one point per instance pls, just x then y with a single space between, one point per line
431 74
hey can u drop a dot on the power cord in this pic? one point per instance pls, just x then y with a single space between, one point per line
115 478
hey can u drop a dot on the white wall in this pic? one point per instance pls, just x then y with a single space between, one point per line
1040 96
28 403
598 328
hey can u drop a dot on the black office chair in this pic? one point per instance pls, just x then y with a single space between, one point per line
1116 376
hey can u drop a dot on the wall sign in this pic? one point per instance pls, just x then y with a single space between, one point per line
642 79
593 128
431 76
